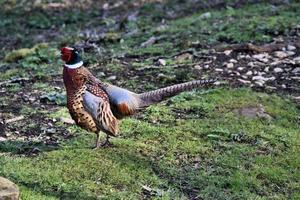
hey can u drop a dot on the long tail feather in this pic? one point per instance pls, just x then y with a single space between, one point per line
159 95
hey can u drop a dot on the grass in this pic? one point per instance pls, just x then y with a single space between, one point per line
193 146
176 158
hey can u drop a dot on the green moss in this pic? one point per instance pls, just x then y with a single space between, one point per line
9 74
62 112
23 53
18 54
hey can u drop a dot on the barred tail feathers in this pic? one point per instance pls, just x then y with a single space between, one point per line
159 95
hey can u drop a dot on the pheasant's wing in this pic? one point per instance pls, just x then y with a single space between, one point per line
123 102
95 101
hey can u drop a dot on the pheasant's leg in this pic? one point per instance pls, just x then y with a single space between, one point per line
103 144
106 142
97 141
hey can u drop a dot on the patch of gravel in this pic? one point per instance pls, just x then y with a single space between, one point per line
278 71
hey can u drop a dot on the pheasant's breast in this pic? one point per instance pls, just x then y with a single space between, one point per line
78 112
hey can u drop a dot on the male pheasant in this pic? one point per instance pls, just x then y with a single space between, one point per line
97 106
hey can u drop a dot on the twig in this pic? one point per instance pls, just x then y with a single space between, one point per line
15 80
15 119
251 47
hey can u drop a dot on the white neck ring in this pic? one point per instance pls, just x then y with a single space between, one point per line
74 66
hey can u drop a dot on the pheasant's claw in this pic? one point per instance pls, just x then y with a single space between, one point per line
106 143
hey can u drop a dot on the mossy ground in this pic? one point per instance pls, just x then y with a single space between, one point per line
193 146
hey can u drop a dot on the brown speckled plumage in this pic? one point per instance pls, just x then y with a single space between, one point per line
78 82
97 106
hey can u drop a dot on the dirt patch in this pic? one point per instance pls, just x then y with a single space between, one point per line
253 112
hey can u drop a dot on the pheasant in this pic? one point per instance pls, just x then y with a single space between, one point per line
97 106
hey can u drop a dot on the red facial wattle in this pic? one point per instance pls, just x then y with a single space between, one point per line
66 54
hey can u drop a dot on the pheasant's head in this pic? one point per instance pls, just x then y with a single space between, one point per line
71 57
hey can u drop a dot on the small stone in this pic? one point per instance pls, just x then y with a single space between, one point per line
281 54
102 74
244 81
263 57
240 57
218 70
275 63
291 48
297 78
264 60
233 61
198 67
249 73
207 62
217 83
227 52
51 130
229 65
259 83
206 15
206 66
183 57
161 75
272 78
283 86
266 69
297 60
251 64
240 68
278 70
32 99
271 88
258 63
105 6
149 42
162 62
296 70
258 78
290 53
67 120
111 78
296 98
259 56
278 40
2 139
287 69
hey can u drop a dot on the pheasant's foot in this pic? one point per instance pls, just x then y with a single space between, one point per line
106 143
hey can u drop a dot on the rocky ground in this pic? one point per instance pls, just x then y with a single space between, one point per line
237 140
276 71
